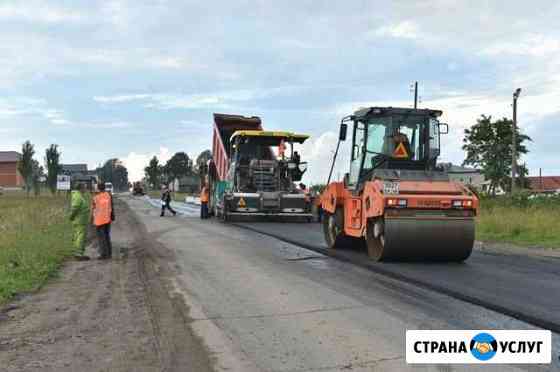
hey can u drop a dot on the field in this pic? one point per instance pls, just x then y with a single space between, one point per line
522 221
35 238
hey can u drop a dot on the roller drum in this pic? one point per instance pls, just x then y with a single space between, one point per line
446 239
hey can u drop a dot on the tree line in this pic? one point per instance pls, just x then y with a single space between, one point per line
33 172
115 172
178 166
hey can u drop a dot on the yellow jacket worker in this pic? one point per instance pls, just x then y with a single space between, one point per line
79 216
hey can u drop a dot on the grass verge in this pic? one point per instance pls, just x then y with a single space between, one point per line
531 222
35 238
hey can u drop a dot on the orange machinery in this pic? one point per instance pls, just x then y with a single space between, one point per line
394 197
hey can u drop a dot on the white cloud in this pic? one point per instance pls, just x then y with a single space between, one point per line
38 11
318 152
121 98
402 30
168 101
535 45
38 107
135 162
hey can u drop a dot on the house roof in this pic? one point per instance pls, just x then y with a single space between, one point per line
74 168
9 156
545 183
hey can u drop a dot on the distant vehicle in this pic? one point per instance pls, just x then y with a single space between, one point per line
137 189
109 187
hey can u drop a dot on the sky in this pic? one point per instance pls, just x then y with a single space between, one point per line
134 79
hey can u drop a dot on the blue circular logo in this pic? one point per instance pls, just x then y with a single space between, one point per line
483 346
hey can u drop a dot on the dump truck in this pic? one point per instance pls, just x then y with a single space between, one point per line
395 198
252 173
137 189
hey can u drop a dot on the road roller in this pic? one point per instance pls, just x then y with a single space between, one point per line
395 198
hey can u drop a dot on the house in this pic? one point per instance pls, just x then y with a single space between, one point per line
79 173
465 175
74 169
9 174
545 184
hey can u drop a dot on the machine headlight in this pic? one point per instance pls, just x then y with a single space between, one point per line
462 204
394 202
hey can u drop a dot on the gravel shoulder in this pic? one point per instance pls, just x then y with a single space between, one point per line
104 316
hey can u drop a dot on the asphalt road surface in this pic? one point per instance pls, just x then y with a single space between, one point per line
523 287
260 304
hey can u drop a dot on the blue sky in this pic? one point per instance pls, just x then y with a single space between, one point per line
131 79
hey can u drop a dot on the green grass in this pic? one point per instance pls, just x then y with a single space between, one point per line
522 221
35 238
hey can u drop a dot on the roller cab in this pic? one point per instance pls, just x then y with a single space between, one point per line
395 199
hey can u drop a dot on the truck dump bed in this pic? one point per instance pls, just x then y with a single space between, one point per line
224 126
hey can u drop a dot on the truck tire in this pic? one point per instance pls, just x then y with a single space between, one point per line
333 229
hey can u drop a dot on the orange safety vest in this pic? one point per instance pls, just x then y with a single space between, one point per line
102 209
204 195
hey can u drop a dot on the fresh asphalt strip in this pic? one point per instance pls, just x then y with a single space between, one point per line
523 288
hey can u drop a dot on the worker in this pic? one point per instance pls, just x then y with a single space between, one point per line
281 149
296 158
399 138
204 198
79 216
319 205
166 201
103 214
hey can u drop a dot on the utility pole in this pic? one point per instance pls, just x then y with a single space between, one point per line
514 140
415 95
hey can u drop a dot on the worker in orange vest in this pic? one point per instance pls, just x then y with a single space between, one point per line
204 198
103 214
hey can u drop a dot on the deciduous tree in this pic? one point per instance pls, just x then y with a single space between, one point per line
153 173
52 163
25 165
178 166
202 160
115 172
488 146
37 174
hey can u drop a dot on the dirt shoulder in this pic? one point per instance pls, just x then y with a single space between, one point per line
512 249
104 315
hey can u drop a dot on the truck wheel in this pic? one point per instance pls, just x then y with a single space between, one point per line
333 229
375 239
